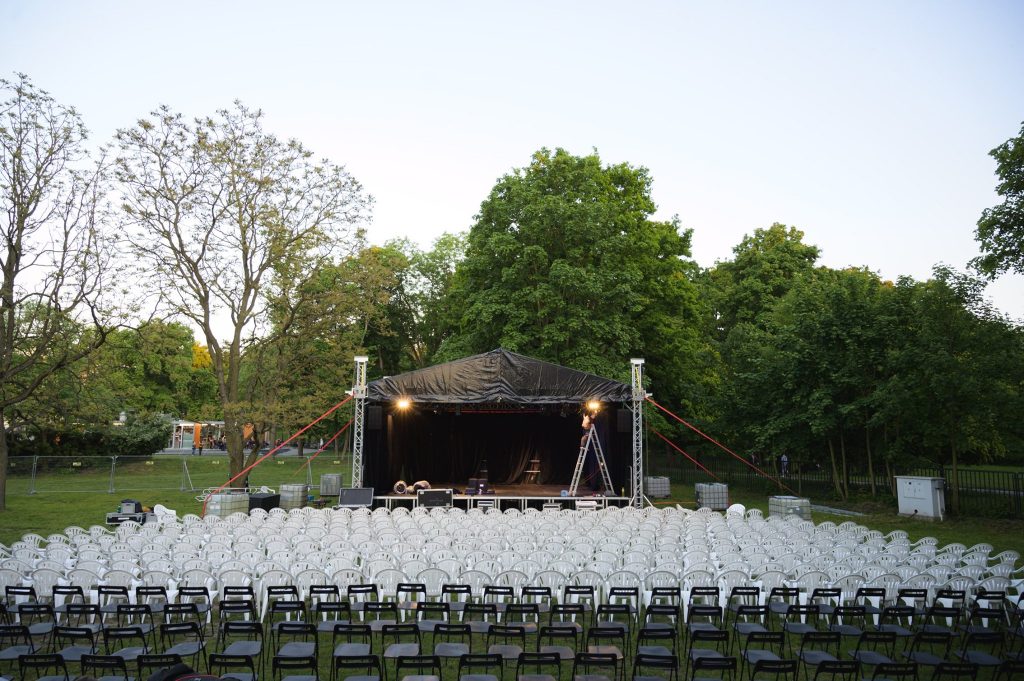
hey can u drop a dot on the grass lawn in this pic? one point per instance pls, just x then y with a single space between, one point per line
1000 533
75 496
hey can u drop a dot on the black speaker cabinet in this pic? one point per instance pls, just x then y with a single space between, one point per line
623 420
374 417
264 500
434 498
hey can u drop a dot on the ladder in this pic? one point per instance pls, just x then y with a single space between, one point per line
589 440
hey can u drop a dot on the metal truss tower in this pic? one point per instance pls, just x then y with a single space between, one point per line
358 420
637 471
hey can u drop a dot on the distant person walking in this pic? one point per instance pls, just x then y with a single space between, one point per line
784 464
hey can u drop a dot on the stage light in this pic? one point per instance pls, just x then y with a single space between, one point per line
403 403
593 405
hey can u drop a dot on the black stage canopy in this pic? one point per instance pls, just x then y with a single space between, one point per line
499 411
498 377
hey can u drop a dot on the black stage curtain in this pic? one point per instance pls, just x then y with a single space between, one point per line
446 447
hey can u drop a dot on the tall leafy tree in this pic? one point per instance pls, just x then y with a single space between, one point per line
1000 230
564 263
742 294
221 215
956 378
308 361
765 265
55 255
422 320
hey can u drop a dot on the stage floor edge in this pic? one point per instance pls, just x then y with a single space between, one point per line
505 501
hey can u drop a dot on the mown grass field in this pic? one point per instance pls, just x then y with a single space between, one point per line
70 495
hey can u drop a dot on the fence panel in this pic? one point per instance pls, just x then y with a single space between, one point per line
992 493
174 472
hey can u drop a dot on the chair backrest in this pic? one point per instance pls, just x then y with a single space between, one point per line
420 664
156 661
779 668
895 670
647 661
1010 669
370 663
539 661
352 631
955 670
280 666
847 669
480 662
41 663
221 661
102 665
585 662
717 664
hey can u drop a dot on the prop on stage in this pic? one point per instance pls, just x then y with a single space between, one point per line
401 487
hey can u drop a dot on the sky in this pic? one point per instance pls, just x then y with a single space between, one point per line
865 124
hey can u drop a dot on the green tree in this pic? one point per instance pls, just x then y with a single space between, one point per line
564 263
1000 230
418 318
55 255
765 265
955 379
742 294
222 216
307 363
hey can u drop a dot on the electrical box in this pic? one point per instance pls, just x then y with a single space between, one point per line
921 497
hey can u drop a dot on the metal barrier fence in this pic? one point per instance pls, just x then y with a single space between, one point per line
161 472
982 492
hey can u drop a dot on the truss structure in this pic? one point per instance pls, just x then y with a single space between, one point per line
358 422
636 488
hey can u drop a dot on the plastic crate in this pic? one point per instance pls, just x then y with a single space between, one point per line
656 486
713 495
788 505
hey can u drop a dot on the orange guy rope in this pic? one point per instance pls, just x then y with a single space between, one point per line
719 444
321 450
680 450
275 449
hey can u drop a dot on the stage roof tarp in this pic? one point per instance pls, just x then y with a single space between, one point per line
498 377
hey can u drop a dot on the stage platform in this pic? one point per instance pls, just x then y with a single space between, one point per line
510 496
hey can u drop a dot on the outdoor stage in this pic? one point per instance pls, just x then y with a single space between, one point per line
508 496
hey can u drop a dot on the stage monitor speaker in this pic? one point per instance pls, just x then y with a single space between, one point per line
355 497
374 417
434 498
623 420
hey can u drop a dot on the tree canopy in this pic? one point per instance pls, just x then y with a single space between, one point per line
222 216
1000 230
564 263
55 248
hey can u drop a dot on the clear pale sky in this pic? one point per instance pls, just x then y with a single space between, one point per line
865 124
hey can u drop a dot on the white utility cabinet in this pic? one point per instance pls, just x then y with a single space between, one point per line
921 496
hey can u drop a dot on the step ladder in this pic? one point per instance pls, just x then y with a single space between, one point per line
591 440
533 474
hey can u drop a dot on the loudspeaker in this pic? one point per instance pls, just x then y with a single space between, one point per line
374 417
623 420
